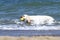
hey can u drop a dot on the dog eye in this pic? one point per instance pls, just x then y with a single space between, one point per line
21 17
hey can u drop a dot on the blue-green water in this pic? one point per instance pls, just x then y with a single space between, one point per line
11 10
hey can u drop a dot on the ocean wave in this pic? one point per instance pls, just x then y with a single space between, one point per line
16 27
15 24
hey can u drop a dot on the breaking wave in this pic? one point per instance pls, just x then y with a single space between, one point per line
15 24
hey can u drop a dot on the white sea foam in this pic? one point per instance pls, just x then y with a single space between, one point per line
19 27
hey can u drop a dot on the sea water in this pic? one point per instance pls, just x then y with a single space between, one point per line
11 10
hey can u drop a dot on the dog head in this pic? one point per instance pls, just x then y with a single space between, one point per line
23 18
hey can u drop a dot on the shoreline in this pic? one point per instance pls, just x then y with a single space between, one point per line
30 38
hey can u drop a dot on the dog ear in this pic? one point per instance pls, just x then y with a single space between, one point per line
22 16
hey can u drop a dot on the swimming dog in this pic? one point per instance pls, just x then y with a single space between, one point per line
37 19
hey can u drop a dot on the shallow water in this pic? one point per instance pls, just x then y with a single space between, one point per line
29 32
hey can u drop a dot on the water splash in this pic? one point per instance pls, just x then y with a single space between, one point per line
16 24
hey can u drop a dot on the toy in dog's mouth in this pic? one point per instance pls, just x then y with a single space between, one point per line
22 18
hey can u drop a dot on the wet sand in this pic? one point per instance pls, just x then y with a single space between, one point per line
30 38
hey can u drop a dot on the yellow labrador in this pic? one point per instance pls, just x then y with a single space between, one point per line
37 19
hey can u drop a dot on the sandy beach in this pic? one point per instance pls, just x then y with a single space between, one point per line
30 38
